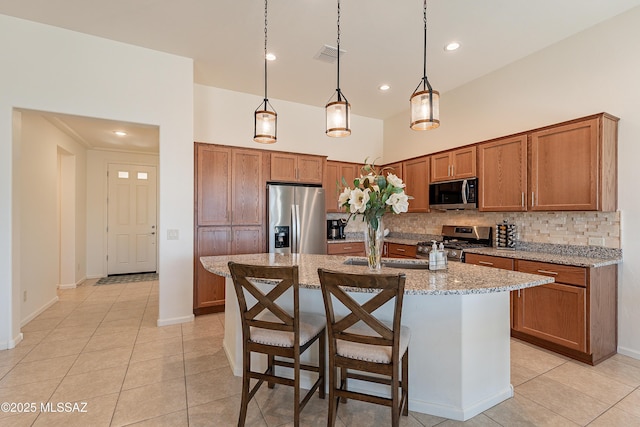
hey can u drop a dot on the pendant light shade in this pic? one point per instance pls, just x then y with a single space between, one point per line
338 118
265 122
425 110
425 102
338 109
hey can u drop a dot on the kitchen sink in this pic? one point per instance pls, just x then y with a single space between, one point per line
392 263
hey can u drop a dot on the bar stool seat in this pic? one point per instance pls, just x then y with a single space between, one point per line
310 326
371 353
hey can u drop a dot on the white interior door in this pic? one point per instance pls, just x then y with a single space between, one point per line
131 212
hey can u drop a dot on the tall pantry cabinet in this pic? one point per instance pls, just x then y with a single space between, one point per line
229 213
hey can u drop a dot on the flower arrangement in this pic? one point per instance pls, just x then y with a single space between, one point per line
375 193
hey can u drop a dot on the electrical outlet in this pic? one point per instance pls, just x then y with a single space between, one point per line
596 241
173 234
24 296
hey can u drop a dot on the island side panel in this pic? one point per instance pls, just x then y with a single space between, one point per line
459 359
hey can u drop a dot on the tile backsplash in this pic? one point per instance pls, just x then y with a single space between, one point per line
565 228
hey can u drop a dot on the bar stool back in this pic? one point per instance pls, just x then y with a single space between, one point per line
360 344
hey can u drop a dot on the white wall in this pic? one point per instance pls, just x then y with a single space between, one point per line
594 71
39 222
97 163
226 117
51 69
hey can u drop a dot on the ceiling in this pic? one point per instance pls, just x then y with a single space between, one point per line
383 40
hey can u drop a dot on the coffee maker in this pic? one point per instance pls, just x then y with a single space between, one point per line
335 229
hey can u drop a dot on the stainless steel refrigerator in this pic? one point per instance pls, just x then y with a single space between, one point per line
297 219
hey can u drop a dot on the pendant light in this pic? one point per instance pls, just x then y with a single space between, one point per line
425 102
338 112
265 124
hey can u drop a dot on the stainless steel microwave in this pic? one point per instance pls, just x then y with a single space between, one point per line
458 194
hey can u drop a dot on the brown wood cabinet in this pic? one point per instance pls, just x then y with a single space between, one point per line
333 174
398 250
288 167
502 174
573 166
346 248
454 164
395 168
416 178
229 214
575 316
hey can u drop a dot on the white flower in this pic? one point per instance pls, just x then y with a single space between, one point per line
395 181
344 196
399 202
358 200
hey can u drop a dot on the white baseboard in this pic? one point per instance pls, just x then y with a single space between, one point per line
67 286
8 345
39 311
175 320
629 352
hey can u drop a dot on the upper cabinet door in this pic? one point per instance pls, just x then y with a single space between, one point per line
248 188
333 185
456 164
213 185
284 167
416 178
502 175
564 167
441 167
310 169
463 163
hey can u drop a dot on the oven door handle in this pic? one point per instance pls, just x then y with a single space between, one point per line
465 191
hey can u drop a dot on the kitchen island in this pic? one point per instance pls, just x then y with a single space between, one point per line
459 359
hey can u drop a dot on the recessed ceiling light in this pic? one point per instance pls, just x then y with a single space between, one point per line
271 57
384 87
452 46
120 133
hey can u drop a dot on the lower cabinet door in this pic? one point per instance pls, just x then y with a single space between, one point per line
208 292
247 240
553 312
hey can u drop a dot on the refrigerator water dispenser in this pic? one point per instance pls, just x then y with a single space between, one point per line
282 236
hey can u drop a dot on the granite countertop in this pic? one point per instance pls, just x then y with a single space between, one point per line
555 258
458 279
402 241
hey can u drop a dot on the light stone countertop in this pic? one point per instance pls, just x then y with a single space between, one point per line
554 258
458 279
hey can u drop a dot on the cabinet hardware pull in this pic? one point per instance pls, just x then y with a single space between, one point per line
485 263
346 248
400 250
518 293
453 171
523 199
533 203
553 273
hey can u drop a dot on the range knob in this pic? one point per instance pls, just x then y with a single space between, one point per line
452 254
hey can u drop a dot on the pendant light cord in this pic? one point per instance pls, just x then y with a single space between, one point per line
265 54
338 55
424 20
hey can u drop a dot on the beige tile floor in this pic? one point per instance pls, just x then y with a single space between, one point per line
100 345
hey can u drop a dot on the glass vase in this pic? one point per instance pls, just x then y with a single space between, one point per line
373 243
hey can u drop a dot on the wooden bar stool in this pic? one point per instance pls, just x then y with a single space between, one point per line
268 329
360 344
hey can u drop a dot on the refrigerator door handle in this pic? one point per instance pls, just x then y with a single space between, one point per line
295 229
298 229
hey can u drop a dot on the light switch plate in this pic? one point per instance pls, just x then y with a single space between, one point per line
173 234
